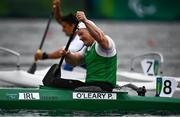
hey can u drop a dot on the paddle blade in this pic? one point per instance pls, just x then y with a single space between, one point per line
32 69
53 73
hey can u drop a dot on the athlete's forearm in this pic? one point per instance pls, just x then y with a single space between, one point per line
94 31
74 59
97 34
57 11
54 55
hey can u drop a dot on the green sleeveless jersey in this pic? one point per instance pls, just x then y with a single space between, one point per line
100 68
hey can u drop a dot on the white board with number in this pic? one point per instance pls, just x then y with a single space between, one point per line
148 67
169 86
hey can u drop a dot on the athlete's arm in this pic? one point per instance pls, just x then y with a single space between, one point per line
95 32
74 58
57 11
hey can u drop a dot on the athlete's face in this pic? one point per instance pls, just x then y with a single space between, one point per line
85 37
67 28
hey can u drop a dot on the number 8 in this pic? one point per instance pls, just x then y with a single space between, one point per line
167 87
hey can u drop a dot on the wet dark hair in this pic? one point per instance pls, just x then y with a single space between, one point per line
70 19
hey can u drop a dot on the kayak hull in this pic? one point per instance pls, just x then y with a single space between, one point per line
44 98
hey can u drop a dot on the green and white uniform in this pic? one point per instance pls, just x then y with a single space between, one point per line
101 63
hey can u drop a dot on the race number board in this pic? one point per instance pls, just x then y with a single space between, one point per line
150 67
165 86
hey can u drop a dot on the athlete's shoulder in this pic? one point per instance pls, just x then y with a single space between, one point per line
111 51
76 44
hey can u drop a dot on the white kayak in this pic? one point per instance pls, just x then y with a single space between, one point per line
21 78
141 77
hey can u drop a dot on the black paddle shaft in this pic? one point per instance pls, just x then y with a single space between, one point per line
32 69
47 28
55 70
66 49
